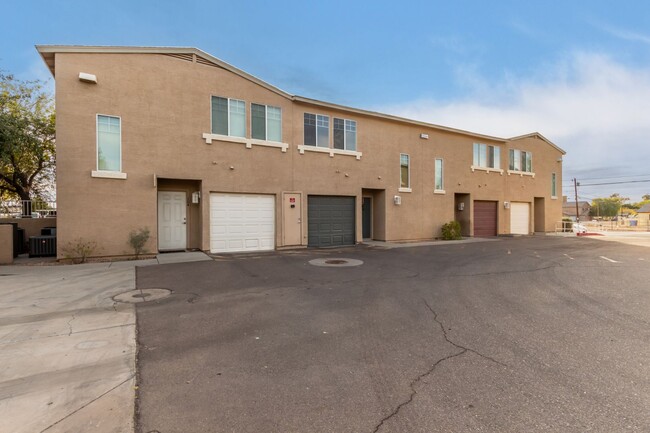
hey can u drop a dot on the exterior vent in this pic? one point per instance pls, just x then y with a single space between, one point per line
42 246
203 61
186 57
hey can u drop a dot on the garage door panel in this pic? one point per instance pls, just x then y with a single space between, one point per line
241 222
331 221
520 218
485 218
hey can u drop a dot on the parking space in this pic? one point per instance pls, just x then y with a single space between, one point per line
520 334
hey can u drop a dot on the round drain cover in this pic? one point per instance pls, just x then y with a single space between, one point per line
336 262
142 295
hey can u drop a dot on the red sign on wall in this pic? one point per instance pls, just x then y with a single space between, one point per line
292 199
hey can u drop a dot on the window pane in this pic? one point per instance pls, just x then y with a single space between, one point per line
404 170
350 135
339 134
310 129
274 124
322 131
553 186
475 161
108 143
438 168
529 162
237 118
517 160
258 121
495 157
511 159
219 115
523 161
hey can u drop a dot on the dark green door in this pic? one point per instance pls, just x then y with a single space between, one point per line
331 221
366 217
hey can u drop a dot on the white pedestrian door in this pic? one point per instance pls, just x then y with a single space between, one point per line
172 221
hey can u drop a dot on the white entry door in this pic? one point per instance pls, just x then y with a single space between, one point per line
172 220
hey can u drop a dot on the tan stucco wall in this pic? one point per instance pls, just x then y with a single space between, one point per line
32 226
164 104
6 244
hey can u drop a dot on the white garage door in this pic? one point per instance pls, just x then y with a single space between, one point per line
241 222
520 218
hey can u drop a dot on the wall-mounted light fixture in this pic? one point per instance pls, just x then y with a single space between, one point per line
397 200
506 205
87 78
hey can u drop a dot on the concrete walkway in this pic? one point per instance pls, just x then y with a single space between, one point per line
391 245
67 350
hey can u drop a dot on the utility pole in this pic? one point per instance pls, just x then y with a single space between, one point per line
575 187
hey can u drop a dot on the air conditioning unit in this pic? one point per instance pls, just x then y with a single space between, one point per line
42 246
397 200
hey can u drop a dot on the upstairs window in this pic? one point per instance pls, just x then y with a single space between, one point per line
487 156
109 143
404 171
345 134
228 117
553 185
439 182
317 130
521 160
266 122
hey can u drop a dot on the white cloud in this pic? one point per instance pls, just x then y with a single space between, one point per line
626 34
590 105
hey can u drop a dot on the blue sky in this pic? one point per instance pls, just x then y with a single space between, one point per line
576 71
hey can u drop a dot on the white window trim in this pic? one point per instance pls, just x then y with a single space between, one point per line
249 142
228 125
407 188
302 148
442 175
266 123
109 174
521 173
554 197
345 137
487 169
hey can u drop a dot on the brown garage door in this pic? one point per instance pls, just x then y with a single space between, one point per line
485 218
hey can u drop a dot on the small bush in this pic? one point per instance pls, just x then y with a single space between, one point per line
451 231
138 239
567 225
79 250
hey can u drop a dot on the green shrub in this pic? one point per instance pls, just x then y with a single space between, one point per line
451 231
79 250
138 239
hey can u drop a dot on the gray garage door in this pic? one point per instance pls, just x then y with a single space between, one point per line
331 221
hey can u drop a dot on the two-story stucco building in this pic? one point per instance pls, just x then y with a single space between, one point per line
209 157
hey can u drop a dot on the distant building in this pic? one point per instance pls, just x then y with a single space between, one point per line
569 210
643 216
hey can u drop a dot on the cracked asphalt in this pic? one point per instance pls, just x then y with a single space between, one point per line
529 334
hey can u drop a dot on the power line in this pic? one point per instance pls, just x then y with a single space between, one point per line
615 183
607 177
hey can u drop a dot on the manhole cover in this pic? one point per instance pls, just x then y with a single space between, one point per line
337 262
142 295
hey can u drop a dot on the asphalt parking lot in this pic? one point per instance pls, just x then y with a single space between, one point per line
530 334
